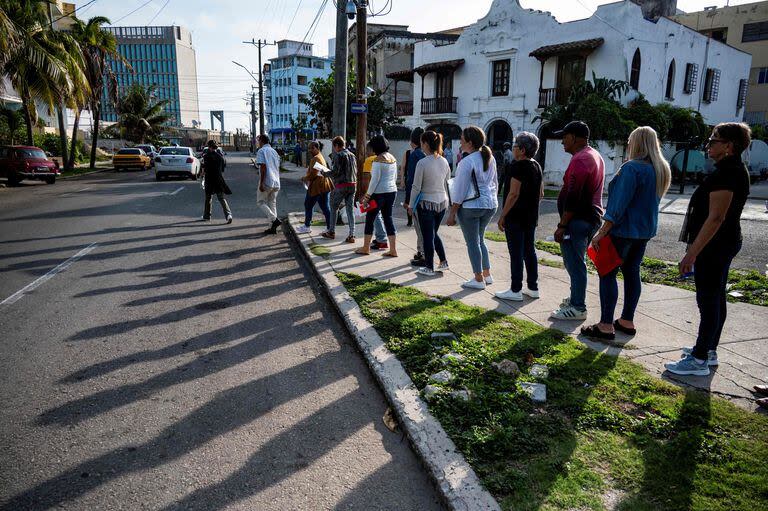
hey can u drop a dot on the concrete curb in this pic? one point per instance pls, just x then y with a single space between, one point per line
455 480
85 173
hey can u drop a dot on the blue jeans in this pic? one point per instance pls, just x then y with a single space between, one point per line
520 243
429 222
631 251
345 194
384 204
574 257
711 275
322 201
379 232
473 223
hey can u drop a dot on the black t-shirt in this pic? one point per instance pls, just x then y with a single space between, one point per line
526 209
730 174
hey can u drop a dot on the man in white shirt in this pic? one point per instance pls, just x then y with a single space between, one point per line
268 163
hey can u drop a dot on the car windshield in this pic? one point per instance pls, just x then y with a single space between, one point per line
129 151
184 151
31 153
146 148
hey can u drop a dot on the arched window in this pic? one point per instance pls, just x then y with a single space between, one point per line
634 76
670 93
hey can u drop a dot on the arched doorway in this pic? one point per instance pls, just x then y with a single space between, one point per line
499 132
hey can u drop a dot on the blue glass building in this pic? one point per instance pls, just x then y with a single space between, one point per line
162 57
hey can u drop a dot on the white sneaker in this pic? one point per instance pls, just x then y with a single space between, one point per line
712 360
532 293
442 267
489 280
303 230
569 312
425 272
509 295
229 219
473 284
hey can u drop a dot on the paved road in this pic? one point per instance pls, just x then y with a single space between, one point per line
179 364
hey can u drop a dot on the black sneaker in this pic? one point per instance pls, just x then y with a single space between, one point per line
271 230
277 223
418 257
418 262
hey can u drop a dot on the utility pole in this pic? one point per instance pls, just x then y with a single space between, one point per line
260 44
339 124
253 120
362 74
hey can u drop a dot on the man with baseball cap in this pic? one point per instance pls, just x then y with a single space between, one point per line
580 205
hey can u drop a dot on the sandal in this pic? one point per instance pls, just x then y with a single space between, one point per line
350 239
360 251
594 332
388 254
623 329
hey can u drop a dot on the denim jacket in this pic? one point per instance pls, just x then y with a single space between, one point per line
633 205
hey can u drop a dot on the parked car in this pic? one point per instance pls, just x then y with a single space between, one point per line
27 162
130 158
151 152
176 161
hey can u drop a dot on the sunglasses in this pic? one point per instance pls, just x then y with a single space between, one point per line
711 141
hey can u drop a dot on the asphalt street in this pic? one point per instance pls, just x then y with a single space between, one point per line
152 361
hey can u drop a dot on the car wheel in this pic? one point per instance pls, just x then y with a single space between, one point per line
13 179
50 180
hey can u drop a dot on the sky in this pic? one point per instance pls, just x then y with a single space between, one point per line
219 28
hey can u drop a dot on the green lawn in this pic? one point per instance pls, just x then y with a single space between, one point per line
609 437
751 284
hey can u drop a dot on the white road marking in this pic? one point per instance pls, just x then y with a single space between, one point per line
15 297
176 191
84 189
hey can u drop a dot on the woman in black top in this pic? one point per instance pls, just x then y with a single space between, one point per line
523 190
712 231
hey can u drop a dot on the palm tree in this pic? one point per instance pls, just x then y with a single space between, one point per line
139 115
14 120
97 45
9 37
44 65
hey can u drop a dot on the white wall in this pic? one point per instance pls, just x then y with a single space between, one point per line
558 159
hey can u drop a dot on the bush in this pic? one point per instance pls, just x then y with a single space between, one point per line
641 113
51 143
605 118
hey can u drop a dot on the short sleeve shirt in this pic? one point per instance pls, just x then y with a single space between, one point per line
269 157
525 212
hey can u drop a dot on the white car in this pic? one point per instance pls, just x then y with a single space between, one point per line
177 161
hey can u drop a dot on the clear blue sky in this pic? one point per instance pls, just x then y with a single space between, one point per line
219 27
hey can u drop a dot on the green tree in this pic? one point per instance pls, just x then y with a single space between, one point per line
97 45
140 116
11 125
298 125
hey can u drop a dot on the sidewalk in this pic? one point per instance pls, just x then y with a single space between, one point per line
667 317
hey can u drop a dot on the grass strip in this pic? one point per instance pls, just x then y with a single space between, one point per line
610 436
751 285
319 250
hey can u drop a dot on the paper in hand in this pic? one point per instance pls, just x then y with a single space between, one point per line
321 168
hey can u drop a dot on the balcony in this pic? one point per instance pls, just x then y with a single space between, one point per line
547 97
438 106
403 108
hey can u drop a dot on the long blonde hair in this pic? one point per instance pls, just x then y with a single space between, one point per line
644 144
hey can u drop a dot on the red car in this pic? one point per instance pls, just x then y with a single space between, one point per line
26 162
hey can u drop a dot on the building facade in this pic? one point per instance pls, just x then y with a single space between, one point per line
744 27
162 57
506 68
290 76
266 76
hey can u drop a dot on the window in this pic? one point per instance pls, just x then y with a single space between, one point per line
289 80
318 64
691 75
501 78
302 98
711 85
634 75
762 75
303 62
301 80
670 81
755 32
741 99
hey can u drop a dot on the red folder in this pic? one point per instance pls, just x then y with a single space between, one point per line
606 258
371 205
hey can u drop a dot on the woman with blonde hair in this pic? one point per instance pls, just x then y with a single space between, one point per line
631 218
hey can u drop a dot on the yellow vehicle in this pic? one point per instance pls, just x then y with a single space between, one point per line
131 158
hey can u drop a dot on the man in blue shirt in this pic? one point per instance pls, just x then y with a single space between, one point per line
410 171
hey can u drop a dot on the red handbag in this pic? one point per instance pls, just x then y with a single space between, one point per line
606 258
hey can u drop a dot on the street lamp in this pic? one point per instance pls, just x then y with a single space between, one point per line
246 70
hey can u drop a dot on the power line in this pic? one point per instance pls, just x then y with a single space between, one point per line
158 12
133 11
287 32
73 12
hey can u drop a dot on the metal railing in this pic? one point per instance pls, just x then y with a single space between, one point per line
547 97
438 106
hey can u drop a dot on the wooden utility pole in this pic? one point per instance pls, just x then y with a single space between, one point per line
339 122
362 74
260 44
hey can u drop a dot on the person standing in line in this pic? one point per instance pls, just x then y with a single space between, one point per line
430 185
448 155
404 181
410 170
475 200
297 153
383 191
580 205
712 230
344 176
380 241
523 191
509 155
319 188
213 168
631 219
268 163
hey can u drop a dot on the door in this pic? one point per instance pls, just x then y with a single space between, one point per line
570 71
444 84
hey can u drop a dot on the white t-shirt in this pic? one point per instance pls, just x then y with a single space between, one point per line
269 157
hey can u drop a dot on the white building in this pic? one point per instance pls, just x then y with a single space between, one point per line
505 68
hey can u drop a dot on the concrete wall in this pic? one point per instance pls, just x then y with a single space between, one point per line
557 161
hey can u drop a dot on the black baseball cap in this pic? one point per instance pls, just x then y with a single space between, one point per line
576 128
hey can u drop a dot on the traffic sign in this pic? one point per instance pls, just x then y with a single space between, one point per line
359 108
